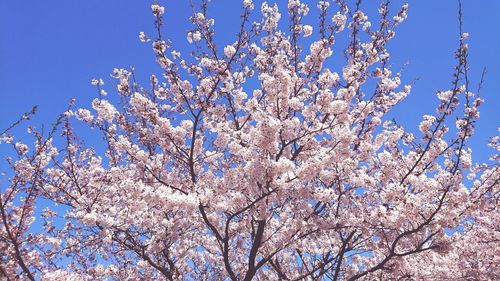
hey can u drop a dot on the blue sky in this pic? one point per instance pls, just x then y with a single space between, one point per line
50 50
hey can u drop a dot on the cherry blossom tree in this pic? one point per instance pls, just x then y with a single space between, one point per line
259 160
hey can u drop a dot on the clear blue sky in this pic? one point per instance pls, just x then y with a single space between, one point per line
50 50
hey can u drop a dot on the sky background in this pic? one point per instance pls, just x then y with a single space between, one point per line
50 50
